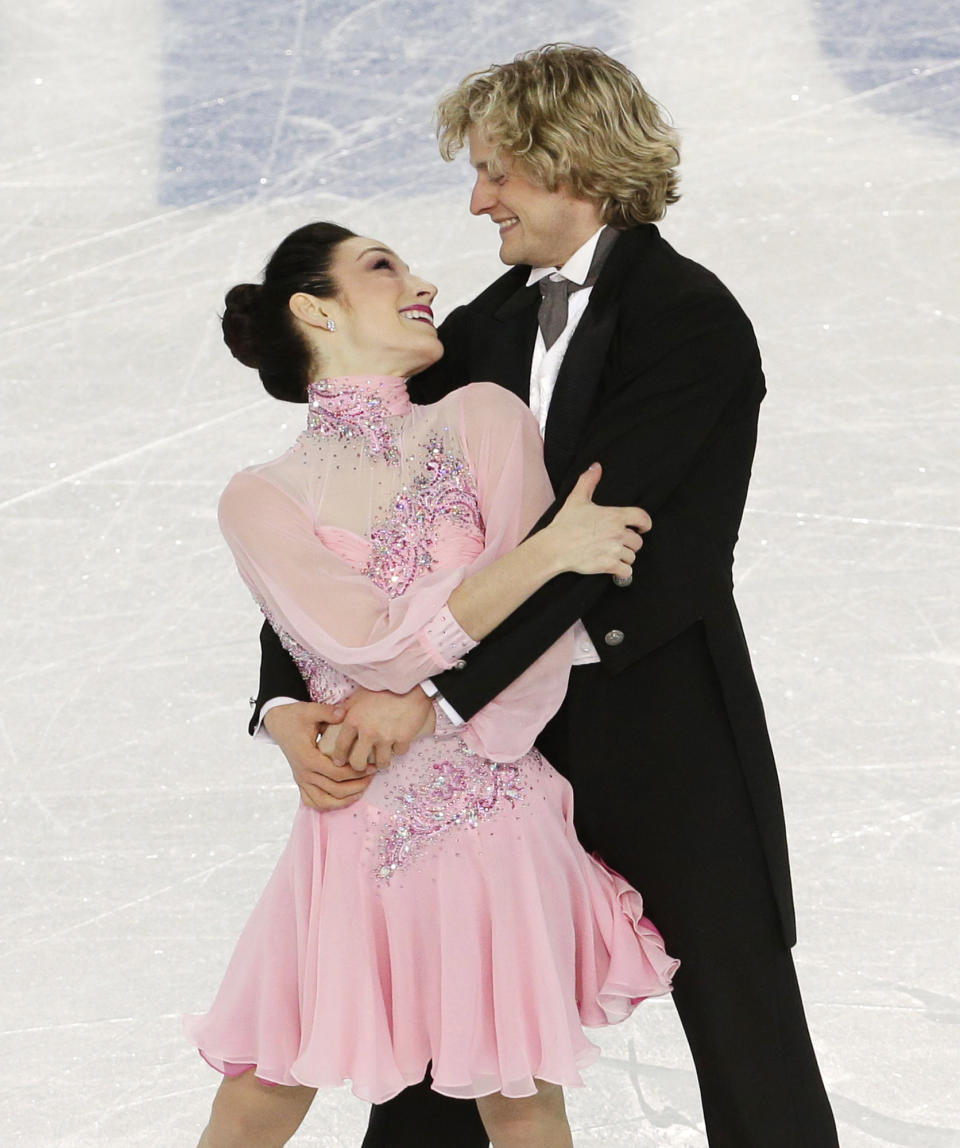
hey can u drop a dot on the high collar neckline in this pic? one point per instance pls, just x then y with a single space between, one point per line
386 394
357 409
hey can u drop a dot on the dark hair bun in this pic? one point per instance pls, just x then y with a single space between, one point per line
258 325
240 323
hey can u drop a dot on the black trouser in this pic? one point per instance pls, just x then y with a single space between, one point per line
422 1118
660 795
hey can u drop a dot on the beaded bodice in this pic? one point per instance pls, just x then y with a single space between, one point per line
353 542
389 490
427 492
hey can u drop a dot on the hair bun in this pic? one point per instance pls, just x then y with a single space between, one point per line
240 323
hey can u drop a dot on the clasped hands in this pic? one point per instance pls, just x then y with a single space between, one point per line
336 751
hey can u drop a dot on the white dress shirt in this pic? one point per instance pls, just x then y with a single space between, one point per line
544 368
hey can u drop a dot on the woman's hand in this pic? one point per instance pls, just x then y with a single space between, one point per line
327 742
592 539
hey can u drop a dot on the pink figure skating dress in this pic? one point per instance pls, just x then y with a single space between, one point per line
450 916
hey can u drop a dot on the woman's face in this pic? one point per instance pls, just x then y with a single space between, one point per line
384 322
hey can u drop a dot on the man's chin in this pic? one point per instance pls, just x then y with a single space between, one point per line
510 254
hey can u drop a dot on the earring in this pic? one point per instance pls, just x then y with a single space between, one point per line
331 326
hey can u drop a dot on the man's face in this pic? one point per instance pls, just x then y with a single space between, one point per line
539 227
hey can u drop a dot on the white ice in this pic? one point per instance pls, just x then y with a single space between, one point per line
139 822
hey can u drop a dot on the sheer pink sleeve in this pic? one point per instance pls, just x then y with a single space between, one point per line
506 455
329 607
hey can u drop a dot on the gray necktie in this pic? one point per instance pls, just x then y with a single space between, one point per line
554 293
552 315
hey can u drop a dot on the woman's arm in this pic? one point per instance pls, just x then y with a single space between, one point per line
583 538
279 677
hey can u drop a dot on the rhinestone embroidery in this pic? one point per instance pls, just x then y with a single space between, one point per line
402 545
324 682
352 414
460 795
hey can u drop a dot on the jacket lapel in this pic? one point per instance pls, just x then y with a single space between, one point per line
502 347
575 390
509 351
579 378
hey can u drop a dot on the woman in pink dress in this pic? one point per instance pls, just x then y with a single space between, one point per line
449 918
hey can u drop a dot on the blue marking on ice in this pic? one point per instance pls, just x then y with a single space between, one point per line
274 98
904 55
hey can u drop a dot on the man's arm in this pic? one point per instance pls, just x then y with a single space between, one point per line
279 676
654 430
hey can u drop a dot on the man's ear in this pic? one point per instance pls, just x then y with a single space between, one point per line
309 309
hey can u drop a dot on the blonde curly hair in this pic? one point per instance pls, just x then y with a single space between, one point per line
571 116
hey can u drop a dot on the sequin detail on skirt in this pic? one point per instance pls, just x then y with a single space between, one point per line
460 795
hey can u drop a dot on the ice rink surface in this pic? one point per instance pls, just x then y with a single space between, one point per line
152 155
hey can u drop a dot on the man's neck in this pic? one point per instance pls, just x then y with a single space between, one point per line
578 242
577 264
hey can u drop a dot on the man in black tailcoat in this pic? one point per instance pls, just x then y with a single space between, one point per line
647 364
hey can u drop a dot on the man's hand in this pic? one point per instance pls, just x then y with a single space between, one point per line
379 725
323 785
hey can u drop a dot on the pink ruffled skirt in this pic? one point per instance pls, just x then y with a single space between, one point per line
450 917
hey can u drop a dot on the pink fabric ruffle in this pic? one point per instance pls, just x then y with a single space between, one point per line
486 957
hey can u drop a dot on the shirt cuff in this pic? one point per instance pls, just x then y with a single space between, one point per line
261 732
440 703
445 639
448 709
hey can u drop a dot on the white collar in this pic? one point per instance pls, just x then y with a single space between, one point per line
576 268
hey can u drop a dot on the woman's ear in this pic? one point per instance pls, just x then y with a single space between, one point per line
310 310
